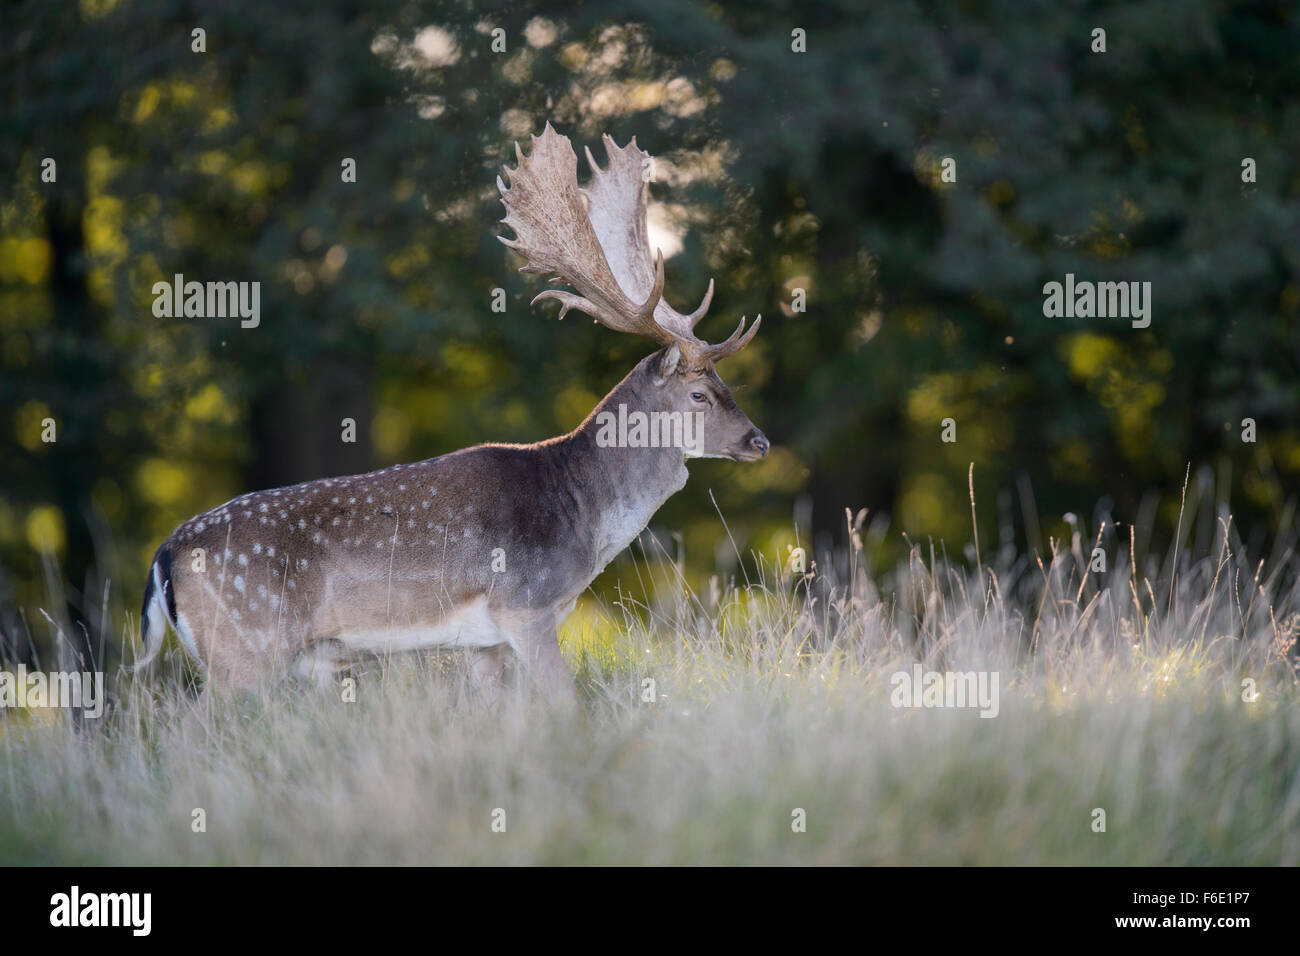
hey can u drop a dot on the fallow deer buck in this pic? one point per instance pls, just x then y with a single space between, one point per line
488 547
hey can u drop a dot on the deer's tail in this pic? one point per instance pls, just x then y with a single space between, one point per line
159 611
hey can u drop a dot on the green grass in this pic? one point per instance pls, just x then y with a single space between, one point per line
1121 694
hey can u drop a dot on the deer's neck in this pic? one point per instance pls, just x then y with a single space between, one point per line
618 488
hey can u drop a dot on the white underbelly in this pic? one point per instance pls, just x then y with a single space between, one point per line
469 625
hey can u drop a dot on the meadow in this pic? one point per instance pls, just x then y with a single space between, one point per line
743 722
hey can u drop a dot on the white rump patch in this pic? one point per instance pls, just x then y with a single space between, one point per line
186 635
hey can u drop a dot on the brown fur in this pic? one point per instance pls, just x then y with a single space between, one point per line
485 547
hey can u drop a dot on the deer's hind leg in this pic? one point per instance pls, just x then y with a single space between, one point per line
491 665
321 662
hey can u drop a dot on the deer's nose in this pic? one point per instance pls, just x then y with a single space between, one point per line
758 441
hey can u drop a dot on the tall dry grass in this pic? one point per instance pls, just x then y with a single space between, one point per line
1162 691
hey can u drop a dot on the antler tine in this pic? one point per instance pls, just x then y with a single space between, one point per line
735 342
703 307
656 295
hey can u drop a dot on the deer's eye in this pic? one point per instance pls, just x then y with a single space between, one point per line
697 396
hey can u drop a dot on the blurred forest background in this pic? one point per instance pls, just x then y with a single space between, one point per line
777 170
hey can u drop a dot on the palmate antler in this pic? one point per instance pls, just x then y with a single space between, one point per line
601 249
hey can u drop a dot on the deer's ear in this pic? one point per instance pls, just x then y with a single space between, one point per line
668 364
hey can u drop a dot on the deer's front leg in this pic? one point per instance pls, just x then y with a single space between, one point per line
536 637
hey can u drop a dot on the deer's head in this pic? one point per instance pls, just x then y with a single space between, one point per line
596 241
